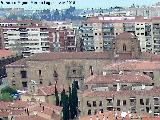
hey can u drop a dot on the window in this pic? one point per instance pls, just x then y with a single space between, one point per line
88 104
147 101
95 33
74 71
100 103
141 102
124 102
13 82
118 109
124 47
89 112
55 75
24 84
91 70
118 102
41 82
95 111
101 110
40 72
23 74
94 104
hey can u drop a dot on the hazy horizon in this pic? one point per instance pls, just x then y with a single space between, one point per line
79 4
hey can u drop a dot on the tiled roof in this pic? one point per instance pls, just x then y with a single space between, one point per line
116 78
4 113
30 117
6 53
125 35
4 105
17 109
69 55
111 116
151 56
20 104
153 91
134 65
50 90
19 63
115 21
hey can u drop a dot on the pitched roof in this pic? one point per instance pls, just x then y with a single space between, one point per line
117 78
125 35
18 63
111 116
6 53
151 56
133 65
30 117
69 55
154 91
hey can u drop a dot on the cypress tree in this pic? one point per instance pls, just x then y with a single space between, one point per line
70 101
56 95
74 99
65 104
62 97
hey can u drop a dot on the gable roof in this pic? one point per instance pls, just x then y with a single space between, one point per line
69 55
117 78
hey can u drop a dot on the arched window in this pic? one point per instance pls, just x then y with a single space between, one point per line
91 70
55 75
124 47
89 112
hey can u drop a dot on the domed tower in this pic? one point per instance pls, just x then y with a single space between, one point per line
127 45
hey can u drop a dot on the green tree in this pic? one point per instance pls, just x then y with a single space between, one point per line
6 97
70 101
65 105
62 97
74 100
8 90
56 95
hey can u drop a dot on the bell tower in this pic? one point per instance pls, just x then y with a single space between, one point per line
128 45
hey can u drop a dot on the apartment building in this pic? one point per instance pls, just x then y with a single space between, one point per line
105 29
123 92
25 37
64 40
97 35
156 34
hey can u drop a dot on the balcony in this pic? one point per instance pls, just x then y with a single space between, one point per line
43 30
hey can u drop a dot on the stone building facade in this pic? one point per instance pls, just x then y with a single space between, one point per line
46 68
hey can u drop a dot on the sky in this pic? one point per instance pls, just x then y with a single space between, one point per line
79 3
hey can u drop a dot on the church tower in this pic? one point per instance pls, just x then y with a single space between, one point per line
127 45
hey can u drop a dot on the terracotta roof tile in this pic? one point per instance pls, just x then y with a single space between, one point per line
151 56
50 90
133 65
116 78
6 53
70 55
154 91
111 116
19 63
31 117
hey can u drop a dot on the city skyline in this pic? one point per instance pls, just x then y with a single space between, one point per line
81 4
